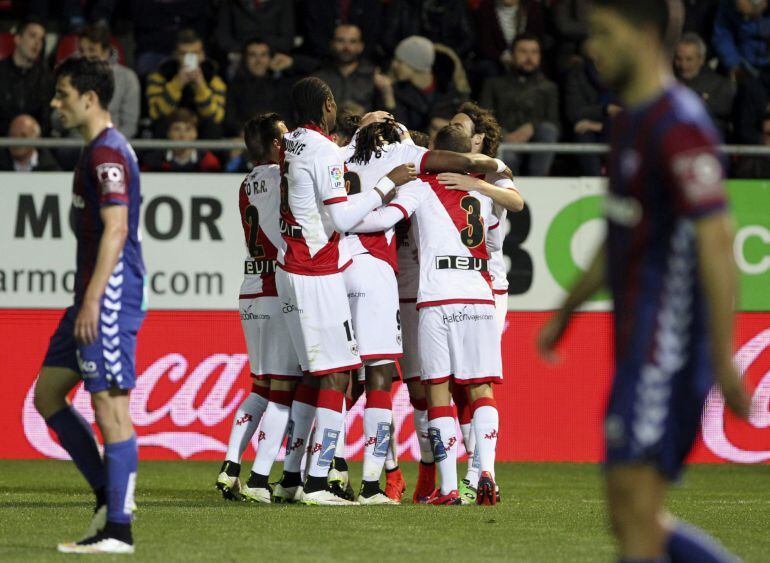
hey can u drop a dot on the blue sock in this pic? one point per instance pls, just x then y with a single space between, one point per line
77 437
121 459
688 543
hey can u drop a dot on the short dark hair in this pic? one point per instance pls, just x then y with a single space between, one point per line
182 115
27 21
484 122
256 41
527 36
419 138
452 138
88 75
259 133
309 96
96 34
662 15
185 36
347 123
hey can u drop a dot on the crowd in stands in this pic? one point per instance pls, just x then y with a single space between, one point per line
189 69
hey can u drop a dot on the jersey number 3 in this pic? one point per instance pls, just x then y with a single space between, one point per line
473 233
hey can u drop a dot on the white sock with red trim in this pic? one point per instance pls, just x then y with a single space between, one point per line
377 416
486 423
329 418
300 422
420 416
245 422
272 431
443 439
340 451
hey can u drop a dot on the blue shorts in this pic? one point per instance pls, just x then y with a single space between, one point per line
110 361
653 417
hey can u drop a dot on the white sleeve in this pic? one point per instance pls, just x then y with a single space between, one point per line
346 213
413 154
402 207
330 175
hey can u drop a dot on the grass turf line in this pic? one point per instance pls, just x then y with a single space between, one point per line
550 512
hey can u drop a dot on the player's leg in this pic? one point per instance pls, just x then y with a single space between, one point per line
245 423
395 485
465 418
378 416
271 435
486 425
426 478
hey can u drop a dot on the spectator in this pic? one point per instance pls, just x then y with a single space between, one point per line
442 21
26 159
189 80
124 108
240 20
756 167
26 85
587 105
526 104
321 17
440 117
498 23
717 92
157 23
72 11
182 126
570 18
414 95
350 77
255 88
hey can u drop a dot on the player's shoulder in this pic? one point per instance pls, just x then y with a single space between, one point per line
689 125
270 171
112 146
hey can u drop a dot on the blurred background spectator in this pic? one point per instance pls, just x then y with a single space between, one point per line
756 166
526 104
188 80
717 92
26 84
182 126
256 88
94 43
74 13
26 159
570 18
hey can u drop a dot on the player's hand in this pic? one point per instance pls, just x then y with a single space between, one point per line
374 117
731 385
382 81
281 62
402 174
461 182
87 322
551 334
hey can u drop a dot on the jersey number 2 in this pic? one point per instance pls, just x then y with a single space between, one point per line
251 214
473 233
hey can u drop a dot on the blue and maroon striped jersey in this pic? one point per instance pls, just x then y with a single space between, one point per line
665 173
108 174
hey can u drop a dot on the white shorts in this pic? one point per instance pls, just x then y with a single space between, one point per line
459 342
373 298
319 322
501 311
271 353
410 362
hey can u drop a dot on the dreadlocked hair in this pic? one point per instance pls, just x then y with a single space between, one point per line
309 96
372 138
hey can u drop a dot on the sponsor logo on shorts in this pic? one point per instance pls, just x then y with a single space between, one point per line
356 294
462 316
249 316
290 307
87 368
354 348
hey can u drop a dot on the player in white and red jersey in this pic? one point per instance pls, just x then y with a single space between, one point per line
315 210
458 339
274 363
485 134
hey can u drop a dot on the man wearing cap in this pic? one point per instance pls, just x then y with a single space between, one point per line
414 93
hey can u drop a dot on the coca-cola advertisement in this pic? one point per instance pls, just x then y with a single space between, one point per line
193 373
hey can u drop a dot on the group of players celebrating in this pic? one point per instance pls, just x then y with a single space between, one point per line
365 249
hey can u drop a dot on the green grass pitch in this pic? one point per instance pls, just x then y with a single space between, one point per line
550 512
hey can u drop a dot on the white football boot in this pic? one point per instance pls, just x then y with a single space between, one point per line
99 545
377 499
325 497
229 486
255 494
283 494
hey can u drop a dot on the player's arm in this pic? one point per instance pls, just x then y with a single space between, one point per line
346 213
402 207
714 235
586 286
115 219
448 161
508 198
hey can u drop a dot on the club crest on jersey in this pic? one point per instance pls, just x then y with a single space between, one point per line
337 176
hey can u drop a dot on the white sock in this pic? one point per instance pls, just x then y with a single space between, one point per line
486 424
300 422
443 438
328 416
391 460
273 430
377 416
420 416
340 451
245 423
469 437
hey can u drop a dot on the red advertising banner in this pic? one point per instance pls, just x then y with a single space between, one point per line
193 374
